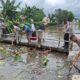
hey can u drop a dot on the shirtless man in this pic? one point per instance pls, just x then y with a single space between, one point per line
77 41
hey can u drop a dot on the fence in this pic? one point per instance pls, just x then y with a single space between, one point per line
39 34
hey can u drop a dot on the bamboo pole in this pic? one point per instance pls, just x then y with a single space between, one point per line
59 38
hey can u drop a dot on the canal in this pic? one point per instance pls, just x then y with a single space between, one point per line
29 66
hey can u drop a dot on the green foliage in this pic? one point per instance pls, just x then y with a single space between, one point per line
37 24
61 15
11 15
9 9
79 23
51 17
70 16
58 15
38 14
9 25
34 13
52 23
4 52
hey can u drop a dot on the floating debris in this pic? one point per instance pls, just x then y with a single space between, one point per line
2 62
33 78
59 76
59 65
1 48
45 60
59 73
76 77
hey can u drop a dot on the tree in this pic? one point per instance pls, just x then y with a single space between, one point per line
38 14
70 16
51 17
58 15
61 15
9 8
26 11
33 12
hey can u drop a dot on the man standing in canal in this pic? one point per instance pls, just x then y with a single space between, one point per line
77 41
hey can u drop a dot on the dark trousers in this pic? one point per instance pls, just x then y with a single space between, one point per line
34 34
4 32
66 40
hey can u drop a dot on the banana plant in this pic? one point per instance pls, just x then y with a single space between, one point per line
9 8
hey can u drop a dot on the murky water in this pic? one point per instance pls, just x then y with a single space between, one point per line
53 39
30 67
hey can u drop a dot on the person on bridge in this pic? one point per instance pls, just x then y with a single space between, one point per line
16 30
41 32
66 35
77 41
27 30
33 30
15 27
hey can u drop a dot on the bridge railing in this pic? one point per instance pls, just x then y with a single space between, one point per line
58 40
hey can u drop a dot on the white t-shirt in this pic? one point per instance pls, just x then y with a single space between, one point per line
33 27
66 27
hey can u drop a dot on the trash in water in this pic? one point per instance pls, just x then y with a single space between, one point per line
59 76
16 55
2 62
45 60
17 58
76 77
37 71
33 78
24 58
1 48
59 65
59 72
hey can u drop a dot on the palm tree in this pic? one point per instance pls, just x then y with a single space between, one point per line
9 8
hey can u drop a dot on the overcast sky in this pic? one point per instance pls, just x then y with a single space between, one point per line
50 5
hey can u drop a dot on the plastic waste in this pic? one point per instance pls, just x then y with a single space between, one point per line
24 58
59 76
45 60
1 48
76 77
2 62
17 58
